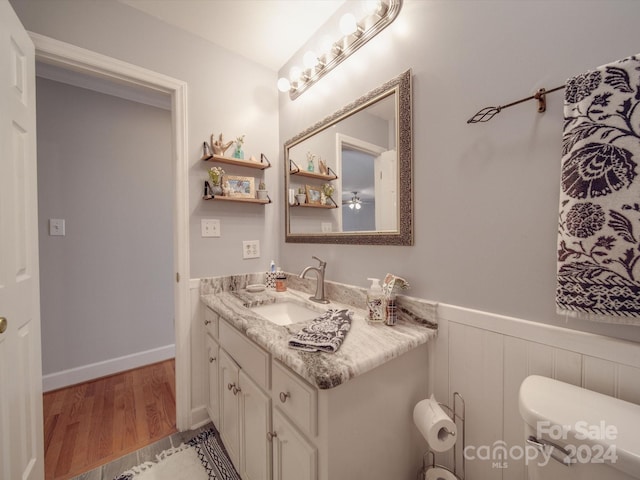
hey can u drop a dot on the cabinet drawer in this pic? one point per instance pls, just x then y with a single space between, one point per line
296 398
251 358
211 320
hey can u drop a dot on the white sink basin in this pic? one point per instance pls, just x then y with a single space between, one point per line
284 313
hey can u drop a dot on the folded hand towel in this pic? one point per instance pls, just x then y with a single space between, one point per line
599 234
325 333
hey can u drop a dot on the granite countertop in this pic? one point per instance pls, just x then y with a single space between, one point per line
364 348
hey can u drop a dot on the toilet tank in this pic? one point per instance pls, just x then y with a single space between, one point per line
578 433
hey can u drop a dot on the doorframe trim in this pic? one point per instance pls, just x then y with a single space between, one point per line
71 57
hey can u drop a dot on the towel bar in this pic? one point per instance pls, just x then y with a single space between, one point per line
488 113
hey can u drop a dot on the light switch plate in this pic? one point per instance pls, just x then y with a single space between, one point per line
210 227
56 227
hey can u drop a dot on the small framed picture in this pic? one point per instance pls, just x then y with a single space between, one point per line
314 195
240 186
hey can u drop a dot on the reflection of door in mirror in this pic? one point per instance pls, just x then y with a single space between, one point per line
368 186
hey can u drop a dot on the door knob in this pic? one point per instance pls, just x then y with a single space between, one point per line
3 324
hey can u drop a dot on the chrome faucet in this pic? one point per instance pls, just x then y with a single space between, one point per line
319 296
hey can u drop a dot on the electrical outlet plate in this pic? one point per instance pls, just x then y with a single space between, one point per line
56 227
250 249
210 227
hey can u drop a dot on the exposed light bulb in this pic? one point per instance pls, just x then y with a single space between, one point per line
358 206
351 206
348 24
284 85
310 59
372 7
295 73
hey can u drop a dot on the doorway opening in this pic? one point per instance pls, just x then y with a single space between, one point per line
70 57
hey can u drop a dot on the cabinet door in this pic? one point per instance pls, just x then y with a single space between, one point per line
213 401
255 423
294 457
229 411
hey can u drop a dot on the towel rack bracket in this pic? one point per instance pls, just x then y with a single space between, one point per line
542 100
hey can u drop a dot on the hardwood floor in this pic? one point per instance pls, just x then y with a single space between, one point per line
93 423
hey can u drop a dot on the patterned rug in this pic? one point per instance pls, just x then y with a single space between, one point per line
201 458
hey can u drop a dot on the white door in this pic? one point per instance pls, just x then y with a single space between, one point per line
386 191
294 457
229 406
255 422
21 436
213 402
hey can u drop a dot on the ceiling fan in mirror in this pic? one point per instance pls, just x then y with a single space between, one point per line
354 203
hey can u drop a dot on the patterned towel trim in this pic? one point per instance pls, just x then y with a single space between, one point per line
325 333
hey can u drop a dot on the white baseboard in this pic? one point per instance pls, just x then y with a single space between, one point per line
199 417
53 381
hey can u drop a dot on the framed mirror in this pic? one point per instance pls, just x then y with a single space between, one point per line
348 178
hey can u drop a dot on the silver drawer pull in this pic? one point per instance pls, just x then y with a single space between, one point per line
236 390
284 396
544 445
271 436
207 322
231 386
212 359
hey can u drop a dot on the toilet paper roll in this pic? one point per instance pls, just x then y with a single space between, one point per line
439 473
436 427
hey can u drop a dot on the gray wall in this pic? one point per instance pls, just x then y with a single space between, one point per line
226 93
486 195
104 166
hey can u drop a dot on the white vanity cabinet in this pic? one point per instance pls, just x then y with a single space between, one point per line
244 417
213 399
255 423
229 426
294 457
277 426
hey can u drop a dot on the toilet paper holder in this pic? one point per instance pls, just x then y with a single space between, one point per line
457 414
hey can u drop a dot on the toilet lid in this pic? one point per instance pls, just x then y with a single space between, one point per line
571 415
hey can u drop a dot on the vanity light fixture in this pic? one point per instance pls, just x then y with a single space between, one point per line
380 13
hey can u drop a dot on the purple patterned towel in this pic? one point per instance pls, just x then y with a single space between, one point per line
325 333
599 223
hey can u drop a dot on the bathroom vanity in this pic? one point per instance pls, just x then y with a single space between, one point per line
284 414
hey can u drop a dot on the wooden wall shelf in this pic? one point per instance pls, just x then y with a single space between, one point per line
261 165
237 199
313 205
320 176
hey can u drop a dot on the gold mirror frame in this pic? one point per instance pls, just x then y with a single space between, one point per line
401 88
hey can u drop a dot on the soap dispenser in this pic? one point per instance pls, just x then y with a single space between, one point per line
375 302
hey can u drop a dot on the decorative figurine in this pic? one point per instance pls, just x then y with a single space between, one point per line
218 146
206 152
323 167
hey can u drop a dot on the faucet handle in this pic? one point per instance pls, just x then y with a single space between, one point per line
322 263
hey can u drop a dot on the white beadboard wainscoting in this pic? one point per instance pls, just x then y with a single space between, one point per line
485 357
